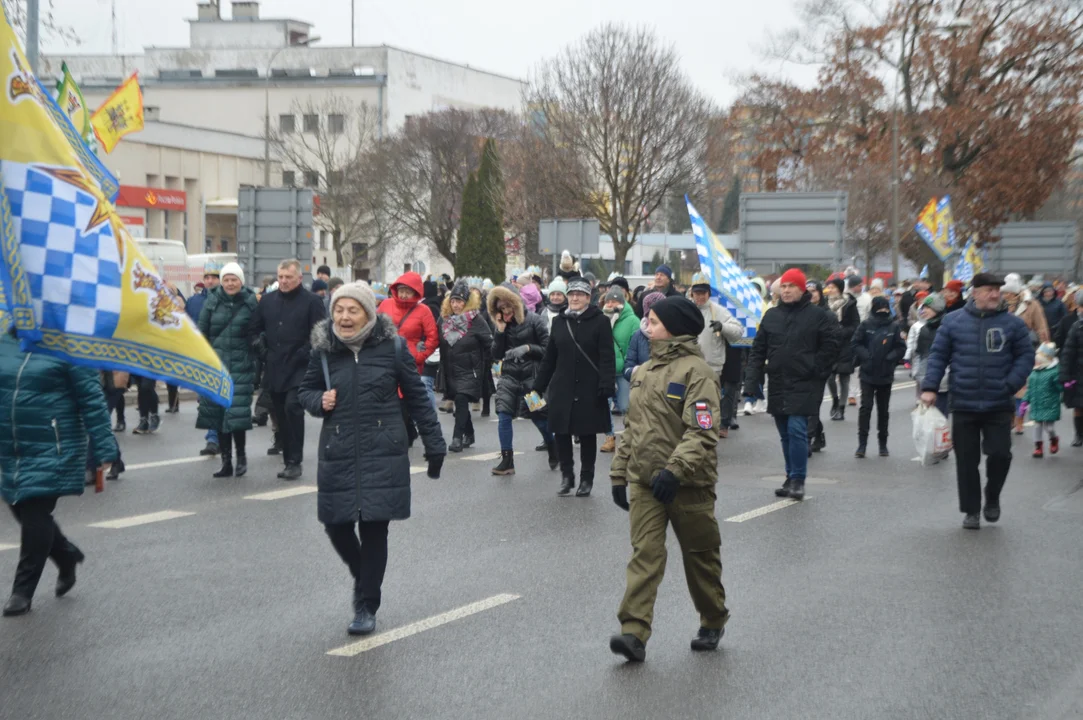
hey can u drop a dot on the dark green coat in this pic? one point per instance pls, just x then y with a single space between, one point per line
50 411
225 322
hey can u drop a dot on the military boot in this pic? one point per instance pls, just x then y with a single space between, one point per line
507 463
707 639
631 647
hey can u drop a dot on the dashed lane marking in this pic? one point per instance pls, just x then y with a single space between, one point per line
8 547
370 643
765 509
279 494
167 463
134 520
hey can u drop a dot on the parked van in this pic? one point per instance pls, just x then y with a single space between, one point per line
174 265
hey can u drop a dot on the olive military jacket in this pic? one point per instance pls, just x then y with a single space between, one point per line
671 418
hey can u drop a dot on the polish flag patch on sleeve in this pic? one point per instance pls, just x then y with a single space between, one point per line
703 415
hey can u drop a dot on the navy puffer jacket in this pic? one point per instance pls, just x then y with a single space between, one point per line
990 355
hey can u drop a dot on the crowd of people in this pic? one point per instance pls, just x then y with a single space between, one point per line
573 356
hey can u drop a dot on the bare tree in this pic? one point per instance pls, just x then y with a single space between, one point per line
331 151
618 109
51 28
426 164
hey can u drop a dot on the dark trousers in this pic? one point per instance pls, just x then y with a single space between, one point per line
148 397
464 425
973 434
291 426
839 392
365 553
41 540
173 394
588 454
115 400
882 396
226 441
731 392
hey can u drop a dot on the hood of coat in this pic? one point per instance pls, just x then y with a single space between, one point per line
323 338
411 280
501 294
675 347
473 303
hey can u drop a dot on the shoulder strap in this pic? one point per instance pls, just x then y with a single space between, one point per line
579 347
406 315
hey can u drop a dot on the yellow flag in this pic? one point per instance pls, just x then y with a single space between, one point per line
72 280
120 114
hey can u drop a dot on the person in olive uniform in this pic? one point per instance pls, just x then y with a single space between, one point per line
668 458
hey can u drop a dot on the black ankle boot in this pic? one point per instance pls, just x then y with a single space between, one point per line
1078 439
227 466
242 465
586 484
554 458
507 463
566 483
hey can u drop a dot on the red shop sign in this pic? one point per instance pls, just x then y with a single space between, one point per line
151 198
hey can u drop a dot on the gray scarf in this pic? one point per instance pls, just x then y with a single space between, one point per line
354 343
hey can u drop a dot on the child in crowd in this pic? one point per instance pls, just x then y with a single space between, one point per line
1042 398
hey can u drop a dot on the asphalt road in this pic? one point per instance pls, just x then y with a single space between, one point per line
866 601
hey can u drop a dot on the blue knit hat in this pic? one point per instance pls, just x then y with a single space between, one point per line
664 269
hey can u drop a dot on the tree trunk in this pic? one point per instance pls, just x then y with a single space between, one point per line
620 252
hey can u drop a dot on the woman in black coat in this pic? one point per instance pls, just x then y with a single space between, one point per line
519 345
364 468
465 339
817 441
848 318
579 371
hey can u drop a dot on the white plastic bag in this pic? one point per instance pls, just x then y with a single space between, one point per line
932 434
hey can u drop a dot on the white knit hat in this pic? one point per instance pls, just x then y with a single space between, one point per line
359 291
233 269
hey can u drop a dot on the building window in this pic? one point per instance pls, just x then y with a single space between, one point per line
336 124
225 245
336 178
312 179
286 124
208 243
312 123
289 178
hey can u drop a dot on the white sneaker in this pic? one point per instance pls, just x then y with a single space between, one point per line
748 408
760 406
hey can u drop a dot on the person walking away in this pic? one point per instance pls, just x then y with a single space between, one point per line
670 462
852 316
286 318
796 345
720 328
415 323
556 301
358 367
1021 304
578 371
990 355
624 325
464 335
1043 398
147 405
844 308
1054 308
817 439
226 322
924 333
53 415
878 345
519 345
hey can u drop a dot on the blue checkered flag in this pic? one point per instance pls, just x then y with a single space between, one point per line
730 286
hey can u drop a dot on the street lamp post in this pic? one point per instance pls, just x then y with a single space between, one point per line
267 108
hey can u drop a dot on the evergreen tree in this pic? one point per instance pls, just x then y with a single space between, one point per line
467 248
731 208
492 250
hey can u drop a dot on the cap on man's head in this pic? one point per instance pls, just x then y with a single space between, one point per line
323 270
793 276
700 282
665 270
988 280
854 281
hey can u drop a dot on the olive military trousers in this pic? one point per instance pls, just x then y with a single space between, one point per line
694 523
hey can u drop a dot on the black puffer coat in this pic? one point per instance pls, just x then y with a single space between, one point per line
848 323
796 344
464 367
1071 365
578 397
226 322
517 376
364 468
878 346
287 320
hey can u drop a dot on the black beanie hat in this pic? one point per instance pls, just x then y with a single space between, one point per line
880 304
679 315
838 283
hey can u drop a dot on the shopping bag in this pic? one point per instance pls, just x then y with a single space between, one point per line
932 434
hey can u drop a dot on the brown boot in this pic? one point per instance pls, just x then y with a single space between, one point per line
723 432
610 444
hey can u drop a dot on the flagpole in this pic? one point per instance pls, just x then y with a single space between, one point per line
33 26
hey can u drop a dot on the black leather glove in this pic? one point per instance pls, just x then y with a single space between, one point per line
620 497
716 326
435 463
664 486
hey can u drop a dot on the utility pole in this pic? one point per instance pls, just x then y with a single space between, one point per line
895 193
353 23
33 29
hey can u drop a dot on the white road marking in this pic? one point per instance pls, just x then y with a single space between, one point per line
896 386
279 494
135 520
485 456
167 463
764 510
435 621
775 480
8 547
415 469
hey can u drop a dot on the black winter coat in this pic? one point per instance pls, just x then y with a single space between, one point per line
878 345
797 345
1071 365
463 366
517 375
848 323
226 322
578 394
364 466
287 320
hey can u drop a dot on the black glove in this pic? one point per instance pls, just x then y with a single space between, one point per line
664 486
607 392
716 326
517 352
620 496
435 463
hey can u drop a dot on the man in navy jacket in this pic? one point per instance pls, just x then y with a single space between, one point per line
991 356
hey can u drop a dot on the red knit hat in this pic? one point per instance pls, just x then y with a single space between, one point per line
793 276
956 285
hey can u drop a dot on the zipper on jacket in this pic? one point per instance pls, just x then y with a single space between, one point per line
56 432
15 404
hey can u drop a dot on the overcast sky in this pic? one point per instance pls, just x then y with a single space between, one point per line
717 41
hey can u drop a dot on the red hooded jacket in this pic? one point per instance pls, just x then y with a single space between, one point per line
419 325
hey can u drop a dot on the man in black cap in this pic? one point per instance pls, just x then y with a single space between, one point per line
990 355
668 458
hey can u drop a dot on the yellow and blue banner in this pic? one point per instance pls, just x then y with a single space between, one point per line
119 115
72 280
971 263
730 285
936 226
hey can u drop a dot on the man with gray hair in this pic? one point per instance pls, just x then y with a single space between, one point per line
287 317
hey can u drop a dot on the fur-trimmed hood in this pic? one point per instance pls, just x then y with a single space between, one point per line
473 303
323 339
501 293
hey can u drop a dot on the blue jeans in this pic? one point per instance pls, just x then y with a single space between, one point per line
793 431
624 388
504 432
430 388
211 436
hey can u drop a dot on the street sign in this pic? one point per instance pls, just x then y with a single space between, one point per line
1034 248
273 224
579 237
783 228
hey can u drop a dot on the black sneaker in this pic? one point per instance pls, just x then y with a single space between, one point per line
142 428
631 647
468 441
276 446
292 472
120 427
155 423
797 491
364 623
819 443
860 452
456 445
707 639
210 450
541 448
971 522
992 513
784 491
884 451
